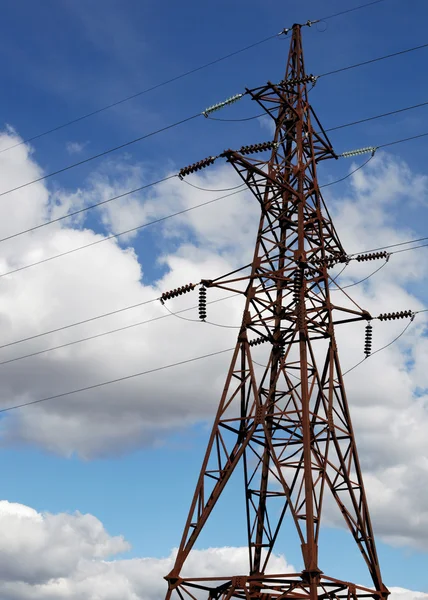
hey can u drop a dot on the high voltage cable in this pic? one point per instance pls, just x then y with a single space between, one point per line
352 123
172 79
90 319
172 125
99 155
111 331
117 235
134 190
163 368
81 210
391 246
373 60
407 139
150 89
139 227
117 380
63 327
344 12
386 114
239 189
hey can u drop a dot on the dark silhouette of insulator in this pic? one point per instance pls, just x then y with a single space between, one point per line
201 164
258 341
282 351
404 314
371 256
177 292
298 281
368 340
330 261
296 80
253 148
202 303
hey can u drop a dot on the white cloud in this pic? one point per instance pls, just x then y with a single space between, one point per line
72 557
389 415
75 147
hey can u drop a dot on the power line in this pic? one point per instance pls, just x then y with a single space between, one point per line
157 299
407 139
345 12
104 153
81 210
240 188
172 125
63 327
346 176
117 330
350 124
407 249
382 348
385 114
141 93
391 246
116 235
134 190
171 80
373 60
117 380
157 369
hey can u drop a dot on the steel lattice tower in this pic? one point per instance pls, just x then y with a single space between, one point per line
288 424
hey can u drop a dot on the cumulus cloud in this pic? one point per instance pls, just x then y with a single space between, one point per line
72 557
386 393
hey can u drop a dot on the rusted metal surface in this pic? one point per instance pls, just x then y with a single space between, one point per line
286 422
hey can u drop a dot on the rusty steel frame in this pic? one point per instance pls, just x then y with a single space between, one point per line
289 425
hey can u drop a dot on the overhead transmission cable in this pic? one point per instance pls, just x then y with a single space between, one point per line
163 368
343 126
99 155
175 78
132 306
138 189
373 60
117 380
181 121
116 330
349 10
238 189
117 235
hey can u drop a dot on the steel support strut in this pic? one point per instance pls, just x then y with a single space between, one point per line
283 412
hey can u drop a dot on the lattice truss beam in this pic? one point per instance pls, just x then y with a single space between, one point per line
285 419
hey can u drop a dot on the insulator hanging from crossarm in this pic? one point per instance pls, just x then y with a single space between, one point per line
371 256
298 282
297 80
330 261
257 341
253 148
177 292
368 340
404 314
197 166
202 303
350 153
220 105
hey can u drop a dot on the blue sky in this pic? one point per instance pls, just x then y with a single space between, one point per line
61 59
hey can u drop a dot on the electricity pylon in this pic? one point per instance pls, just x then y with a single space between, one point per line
287 422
